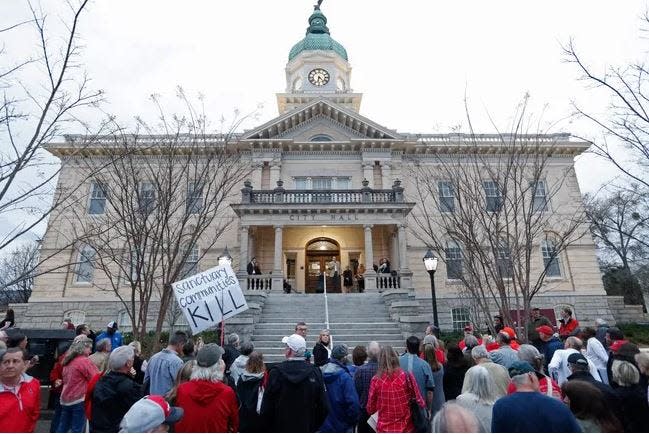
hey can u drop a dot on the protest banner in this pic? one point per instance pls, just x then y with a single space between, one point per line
211 296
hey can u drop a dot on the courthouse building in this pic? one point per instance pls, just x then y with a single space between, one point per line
329 182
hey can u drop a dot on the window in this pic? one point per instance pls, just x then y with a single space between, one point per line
190 267
540 200
194 197
550 259
97 199
135 261
85 265
301 183
492 195
453 255
446 196
146 198
321 138
321 183
343 183
124 321
504 260
460 317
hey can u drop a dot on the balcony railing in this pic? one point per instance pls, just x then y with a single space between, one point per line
281 196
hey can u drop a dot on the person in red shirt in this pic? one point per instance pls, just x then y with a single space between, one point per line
207 403
389 394
512 335
569 325
20 394
78 370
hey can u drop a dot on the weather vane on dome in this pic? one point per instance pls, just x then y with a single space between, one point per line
317 7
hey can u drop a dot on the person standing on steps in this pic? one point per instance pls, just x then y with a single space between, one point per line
348 280
322 348
360 278
302 329
334 273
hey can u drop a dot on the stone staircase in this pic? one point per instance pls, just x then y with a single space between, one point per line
354 319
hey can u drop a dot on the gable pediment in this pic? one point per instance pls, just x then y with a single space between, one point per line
321 117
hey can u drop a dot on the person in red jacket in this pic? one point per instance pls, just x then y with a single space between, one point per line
208 404
20 394
569 325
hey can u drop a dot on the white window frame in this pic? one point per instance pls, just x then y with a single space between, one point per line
190 265
546 246
460 317
98 194
85 256
77 316
537 205
453 254
146 204
446 191
492 193
194 202
504 260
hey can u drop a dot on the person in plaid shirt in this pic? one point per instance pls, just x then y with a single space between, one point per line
390 392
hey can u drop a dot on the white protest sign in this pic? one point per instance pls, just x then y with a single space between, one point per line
211 296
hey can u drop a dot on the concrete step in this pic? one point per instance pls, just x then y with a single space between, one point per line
339 337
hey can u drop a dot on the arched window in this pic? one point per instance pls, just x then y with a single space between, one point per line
454 261
321 138
76 316
550 258
124 321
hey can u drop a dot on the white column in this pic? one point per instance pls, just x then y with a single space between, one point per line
395 255
368 173
277 262
404 270
278 277
243 249
370 274
386 174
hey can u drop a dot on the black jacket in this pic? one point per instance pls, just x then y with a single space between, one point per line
113 395
295 399
320 354
635 410
230 354
247 393
611 398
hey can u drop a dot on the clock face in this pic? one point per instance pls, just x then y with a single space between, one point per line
319 77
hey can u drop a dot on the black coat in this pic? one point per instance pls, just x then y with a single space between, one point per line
230 354
611 398
635 411
453 379
320 354
112 397
248 392
295 399
348 278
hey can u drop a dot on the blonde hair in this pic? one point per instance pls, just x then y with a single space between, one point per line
642 359
624 373
388 361
77 349
137 347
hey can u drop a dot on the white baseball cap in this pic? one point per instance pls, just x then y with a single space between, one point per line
295 342
149 413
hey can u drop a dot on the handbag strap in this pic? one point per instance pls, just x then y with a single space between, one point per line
410 387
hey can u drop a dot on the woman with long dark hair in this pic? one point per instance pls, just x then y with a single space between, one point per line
390 392
8 321
590 408
430 356
454 372
250 392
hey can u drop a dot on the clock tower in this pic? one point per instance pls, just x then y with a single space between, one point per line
318 67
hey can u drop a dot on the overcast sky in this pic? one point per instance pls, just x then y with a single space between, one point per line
414 61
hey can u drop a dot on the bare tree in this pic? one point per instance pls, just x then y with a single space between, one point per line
489 208
17 274
626 121
41 94
156 209
618 223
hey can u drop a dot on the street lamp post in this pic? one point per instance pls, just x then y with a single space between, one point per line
430 262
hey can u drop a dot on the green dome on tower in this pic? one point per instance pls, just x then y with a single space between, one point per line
317 38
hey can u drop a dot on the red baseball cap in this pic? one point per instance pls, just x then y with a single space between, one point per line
510 331
546 330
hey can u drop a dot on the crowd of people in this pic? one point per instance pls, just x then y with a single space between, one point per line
590 380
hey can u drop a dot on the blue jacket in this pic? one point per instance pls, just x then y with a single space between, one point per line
343 399
115 338
549 348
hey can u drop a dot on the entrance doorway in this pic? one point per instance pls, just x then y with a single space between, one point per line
319 252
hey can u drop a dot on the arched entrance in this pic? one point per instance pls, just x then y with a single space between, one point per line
319 252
